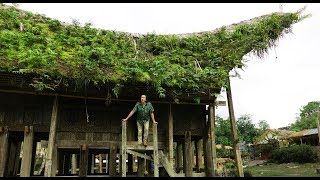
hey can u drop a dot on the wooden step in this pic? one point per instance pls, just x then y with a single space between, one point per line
133 145
139 154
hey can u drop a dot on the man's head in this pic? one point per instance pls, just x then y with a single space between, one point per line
143 98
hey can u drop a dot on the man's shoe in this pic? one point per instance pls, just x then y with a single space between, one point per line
145 143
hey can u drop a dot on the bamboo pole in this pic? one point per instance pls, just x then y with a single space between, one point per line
234 132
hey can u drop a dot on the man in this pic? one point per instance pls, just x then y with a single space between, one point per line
144 111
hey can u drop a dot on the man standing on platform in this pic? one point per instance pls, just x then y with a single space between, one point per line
144 111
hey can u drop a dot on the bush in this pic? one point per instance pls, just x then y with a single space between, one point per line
295 153
247 173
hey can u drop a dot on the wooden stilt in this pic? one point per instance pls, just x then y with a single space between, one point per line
213 136
34 149
52 138
112 161
25 170
179 162
235 138
199 163
187 156
100 163
93 164
123 150
84 156
107 162
170 134
74 164
208 160
155 151
141 167
4 147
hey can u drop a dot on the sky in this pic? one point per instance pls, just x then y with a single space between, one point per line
273 88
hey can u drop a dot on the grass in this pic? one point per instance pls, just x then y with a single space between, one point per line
287 169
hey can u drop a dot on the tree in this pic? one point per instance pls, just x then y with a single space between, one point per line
308 117
247 130
223 131
263 125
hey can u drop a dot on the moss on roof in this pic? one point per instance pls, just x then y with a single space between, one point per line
195 63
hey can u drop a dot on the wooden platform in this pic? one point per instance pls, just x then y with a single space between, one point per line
133 145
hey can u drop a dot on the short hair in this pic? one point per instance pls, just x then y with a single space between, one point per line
144 95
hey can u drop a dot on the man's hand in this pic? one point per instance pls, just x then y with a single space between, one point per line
124 120
155 122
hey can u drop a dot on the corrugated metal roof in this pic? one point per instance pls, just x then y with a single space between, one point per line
311 132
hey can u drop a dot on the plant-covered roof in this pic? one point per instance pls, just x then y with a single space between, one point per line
195 63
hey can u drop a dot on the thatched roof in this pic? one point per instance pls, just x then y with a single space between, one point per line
189 65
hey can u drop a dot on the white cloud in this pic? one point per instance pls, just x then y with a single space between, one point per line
270 89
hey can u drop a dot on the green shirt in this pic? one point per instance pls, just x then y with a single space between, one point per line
143 113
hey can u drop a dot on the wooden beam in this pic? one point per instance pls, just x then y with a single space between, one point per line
123 150
179 158
139 155
199 163
170 134
208 160
112 161
213 136
4 147
100 163
25 170
187 155
49 172
235 138
84 156
166 164
141 167
74 164
155 151
91 97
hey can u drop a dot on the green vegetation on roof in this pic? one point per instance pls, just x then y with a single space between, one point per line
196 63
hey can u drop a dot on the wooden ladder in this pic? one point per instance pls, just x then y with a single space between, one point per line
137 149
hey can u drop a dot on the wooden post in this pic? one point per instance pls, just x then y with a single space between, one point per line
84 156
27 152
74 164
123 150
170 134
234 132
199 162
93 164
155 151
34 150
318 128
148 167
208 160
49 172
187 156
179 157
4 135
213 136
100 164
107 163
112 161
141 167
